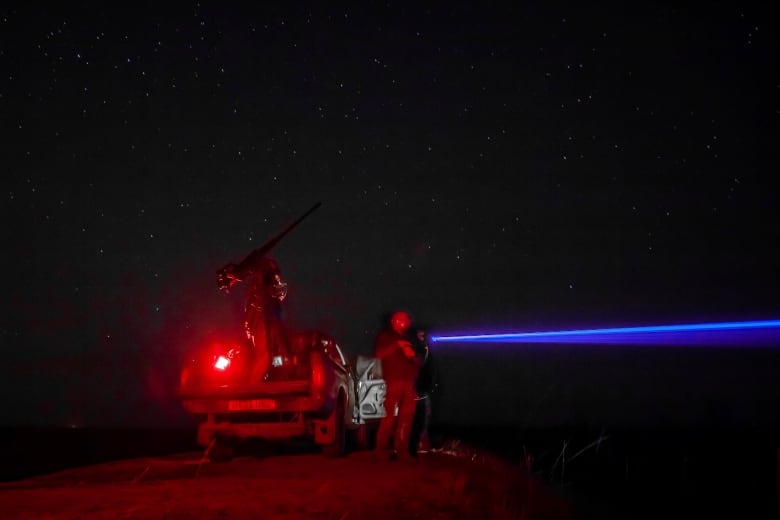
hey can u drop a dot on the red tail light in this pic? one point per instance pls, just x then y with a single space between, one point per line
221 363
317 371
224 357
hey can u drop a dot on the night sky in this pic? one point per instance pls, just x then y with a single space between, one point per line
488 167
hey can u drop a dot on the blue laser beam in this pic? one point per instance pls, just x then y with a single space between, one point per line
756 331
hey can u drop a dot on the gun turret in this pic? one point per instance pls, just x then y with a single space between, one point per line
231 273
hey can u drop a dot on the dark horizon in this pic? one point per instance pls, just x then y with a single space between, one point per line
579 387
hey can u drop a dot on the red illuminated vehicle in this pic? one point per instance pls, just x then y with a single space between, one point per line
277 384
316 400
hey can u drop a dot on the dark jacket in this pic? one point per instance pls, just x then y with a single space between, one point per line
427 380
395 365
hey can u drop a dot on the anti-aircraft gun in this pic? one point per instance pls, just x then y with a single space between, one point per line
315 397
227 276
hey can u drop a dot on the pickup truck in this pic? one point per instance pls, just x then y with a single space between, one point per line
319 396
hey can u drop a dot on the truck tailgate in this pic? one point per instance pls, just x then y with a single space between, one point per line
249 391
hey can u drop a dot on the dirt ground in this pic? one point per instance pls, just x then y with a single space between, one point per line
440 485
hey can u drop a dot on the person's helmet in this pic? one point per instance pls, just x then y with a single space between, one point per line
400 321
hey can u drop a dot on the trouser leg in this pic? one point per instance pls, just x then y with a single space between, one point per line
425 441
406 408
388 423
417 426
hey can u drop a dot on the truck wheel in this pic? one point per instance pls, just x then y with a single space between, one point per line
339 446
220 451
362 437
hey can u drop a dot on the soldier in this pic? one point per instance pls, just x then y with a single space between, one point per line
400 366
426 384
263 310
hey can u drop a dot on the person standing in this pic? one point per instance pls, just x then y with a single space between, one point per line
266 335
262 311
426 384
400 368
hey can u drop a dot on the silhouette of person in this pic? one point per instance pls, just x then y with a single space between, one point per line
400 366
262 311
426 384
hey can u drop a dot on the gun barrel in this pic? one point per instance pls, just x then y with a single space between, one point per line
298 221
270 244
